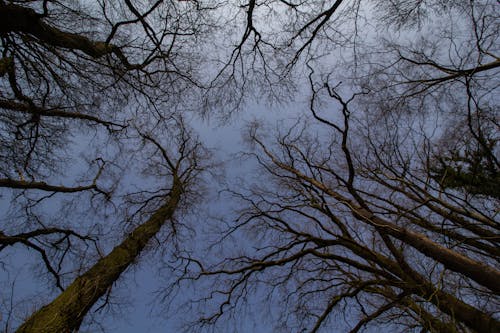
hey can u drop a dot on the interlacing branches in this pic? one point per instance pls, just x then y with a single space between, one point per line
342 229
376 208
181 162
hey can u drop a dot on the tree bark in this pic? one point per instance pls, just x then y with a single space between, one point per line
67 311
25 185
14 18
481 273
418 285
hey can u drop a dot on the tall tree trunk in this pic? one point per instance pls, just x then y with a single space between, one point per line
416 284
481 273
67 311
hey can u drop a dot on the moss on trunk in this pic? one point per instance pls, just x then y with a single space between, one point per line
67 311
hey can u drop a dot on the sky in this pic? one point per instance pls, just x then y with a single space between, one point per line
141 286
137 289
136 295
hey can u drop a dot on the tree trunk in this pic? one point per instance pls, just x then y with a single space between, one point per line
417 284
67 311
481 273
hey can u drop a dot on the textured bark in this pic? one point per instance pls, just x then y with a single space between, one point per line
67 311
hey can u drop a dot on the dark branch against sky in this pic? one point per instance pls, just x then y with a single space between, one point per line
249 166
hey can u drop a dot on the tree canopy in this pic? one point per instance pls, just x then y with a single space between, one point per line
373 205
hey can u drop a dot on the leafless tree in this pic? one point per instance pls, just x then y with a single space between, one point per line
76 79
178 168
65 63
367 232
382 208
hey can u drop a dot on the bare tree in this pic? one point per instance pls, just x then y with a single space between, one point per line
182 166
382 208
65 63
371 232
76 78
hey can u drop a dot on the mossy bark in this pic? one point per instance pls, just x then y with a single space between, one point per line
67 311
